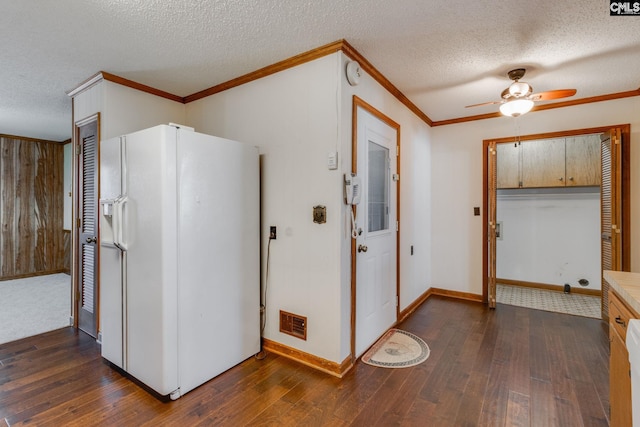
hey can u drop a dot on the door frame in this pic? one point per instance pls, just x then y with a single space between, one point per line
75 222
625 130
360 103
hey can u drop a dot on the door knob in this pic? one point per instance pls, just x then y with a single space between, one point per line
362 248
92 240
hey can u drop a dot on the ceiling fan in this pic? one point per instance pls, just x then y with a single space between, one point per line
518 98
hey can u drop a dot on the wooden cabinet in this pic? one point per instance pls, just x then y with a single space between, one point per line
619 367
583 166
543 163
508 165
555 162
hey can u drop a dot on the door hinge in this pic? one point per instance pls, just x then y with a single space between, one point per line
397 301
78 222
397 225
78 149
397 150
396 177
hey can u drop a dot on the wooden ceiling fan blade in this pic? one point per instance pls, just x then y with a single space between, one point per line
552 94
483 103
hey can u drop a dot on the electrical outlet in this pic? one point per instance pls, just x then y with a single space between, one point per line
272 232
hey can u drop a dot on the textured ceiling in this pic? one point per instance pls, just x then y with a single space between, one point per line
442 55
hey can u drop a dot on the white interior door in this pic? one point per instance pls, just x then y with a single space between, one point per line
376 217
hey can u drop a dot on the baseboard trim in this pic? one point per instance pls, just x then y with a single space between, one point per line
414 305
557 288
436 291
456 294
339 370
327 366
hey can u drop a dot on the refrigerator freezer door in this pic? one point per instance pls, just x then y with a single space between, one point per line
111 320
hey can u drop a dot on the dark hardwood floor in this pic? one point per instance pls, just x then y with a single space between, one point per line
507 367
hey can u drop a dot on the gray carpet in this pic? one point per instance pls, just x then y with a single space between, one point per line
34 305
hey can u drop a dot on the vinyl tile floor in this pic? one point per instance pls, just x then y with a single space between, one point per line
541 299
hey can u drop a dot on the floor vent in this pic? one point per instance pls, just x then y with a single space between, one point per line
293 324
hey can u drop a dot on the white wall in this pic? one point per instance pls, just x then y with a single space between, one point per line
296 117
457 182
129 110
550 237
88 102
124 110
293 118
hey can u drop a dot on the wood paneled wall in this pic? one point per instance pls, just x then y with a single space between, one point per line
31 207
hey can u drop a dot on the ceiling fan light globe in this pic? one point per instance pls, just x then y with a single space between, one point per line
519 89
516 107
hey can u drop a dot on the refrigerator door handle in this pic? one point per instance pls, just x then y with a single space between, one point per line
118 223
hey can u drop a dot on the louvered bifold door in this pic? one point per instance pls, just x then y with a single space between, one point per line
611 209
88 224
492 169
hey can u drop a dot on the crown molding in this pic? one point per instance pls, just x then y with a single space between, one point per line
144 88
581 101
91 81
268 70
352 53
328 49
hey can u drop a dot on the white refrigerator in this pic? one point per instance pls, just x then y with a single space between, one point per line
179 256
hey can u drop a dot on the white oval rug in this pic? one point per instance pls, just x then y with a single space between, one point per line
397 349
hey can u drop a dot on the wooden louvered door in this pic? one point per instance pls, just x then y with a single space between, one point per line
611 209
491 203
86 292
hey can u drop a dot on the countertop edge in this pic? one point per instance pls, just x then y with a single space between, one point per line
627 286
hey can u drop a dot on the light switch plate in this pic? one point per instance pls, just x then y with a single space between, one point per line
332 160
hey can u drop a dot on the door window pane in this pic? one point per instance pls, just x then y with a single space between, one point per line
378 194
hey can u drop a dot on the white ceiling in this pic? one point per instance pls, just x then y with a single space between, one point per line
442 55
